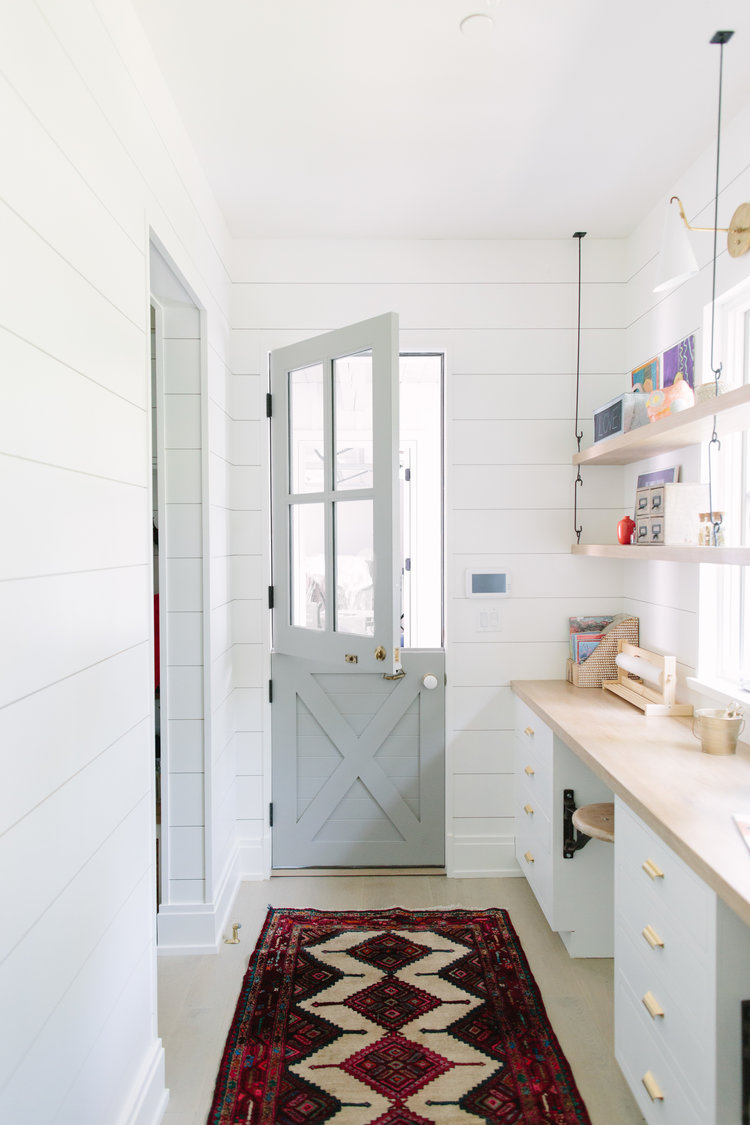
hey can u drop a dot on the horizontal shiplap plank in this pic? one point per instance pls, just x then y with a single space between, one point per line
528 395
79 522
482 795
499 663
65 623
56 201
43 742
81 919
530 531
482 751
80 325
533 305
538 620
35 873
46 412
482 487
423 260
512 442
478 707
509 351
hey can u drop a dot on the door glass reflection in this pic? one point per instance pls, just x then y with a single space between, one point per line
308 600
352 421
354 567
306 429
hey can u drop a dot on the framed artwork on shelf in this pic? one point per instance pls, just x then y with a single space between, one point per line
646 377
679 363
659 476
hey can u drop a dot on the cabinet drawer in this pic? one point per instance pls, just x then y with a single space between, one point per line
666 886
535 862
640 1056
534 772
681 1022
531 730
532 821
673 961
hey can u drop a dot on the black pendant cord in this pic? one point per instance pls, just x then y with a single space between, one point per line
720 38
580 235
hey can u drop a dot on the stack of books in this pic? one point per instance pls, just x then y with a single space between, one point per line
585 635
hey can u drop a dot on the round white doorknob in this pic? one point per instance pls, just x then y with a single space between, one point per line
430 681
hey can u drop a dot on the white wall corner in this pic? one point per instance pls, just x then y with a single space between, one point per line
149 1096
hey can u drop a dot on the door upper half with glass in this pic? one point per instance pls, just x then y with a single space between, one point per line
335 476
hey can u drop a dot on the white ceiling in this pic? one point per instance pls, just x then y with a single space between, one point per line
379 118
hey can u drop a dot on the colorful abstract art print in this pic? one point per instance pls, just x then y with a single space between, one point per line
679 363
646 377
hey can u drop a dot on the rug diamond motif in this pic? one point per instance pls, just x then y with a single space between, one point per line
392 1003
389 952
396 1067
486 1051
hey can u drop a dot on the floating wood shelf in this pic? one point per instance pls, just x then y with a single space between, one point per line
739 556
688 427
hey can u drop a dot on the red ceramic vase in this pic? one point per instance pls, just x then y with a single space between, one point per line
625 529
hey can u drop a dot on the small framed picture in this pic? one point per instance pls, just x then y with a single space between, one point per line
659 476
646 377
679 363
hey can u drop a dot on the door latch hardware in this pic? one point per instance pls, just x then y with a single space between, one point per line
351 658
573 840
380 653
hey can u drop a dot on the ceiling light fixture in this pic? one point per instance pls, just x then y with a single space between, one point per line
677 261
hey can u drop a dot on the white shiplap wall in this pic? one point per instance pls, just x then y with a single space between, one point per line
665 595
505 315
92 155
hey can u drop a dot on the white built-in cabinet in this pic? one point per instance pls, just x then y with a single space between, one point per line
687 427
575 894
682 968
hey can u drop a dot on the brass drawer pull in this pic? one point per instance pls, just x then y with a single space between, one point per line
529 770
652 870
652 1087
652 937
528 810
528 857
652 1005
529 732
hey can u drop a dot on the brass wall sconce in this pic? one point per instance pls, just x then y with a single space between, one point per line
738 231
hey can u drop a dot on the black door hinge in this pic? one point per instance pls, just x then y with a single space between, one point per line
407 474
270 597
269 405
270 815
270 691
407 564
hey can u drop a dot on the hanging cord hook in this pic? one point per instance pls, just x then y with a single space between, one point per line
580 234
721 37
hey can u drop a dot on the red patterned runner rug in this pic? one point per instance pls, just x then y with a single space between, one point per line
392 1017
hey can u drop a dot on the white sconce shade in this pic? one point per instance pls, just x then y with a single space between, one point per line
676 261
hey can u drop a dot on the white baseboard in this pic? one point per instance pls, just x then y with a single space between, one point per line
199 927
483 857
149 1098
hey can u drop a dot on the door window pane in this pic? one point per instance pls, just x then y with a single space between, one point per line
306 429
354 567
352 416
308 580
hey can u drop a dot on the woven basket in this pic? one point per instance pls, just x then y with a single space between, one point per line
601 664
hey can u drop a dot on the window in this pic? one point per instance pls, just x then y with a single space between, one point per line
724 658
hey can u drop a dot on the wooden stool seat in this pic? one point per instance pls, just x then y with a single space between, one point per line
596 820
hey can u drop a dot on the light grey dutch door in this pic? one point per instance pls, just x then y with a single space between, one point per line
358 724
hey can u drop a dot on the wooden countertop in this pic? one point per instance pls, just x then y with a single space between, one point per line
657 767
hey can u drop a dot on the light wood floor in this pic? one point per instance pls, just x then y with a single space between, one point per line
197 995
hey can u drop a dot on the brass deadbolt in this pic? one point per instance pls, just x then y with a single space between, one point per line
380 653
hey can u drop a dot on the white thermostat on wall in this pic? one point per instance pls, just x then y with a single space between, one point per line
487 584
